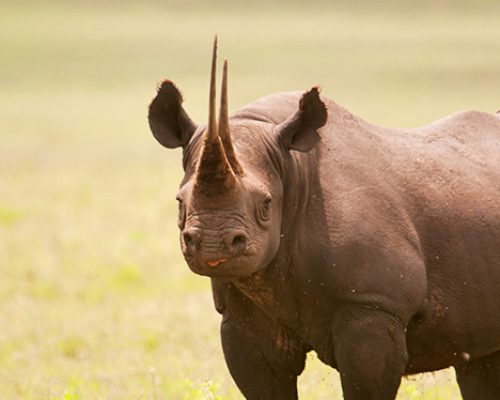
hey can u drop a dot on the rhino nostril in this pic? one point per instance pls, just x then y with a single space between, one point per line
191 239
188 239
239 242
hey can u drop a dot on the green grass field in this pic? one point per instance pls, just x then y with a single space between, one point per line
96 302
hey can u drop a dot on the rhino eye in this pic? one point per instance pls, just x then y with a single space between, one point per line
267 202
265 209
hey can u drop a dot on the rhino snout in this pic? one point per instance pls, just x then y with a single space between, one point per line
230 244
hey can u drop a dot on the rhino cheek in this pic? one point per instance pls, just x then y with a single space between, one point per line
265 250
274 244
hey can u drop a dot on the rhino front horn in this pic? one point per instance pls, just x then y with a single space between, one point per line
215 173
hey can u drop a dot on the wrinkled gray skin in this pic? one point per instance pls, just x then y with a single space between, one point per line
377 248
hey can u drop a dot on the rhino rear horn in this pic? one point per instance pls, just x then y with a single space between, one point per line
224 132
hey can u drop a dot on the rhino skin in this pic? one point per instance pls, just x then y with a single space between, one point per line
377 248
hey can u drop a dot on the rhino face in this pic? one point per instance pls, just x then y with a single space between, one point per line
231 229
230 200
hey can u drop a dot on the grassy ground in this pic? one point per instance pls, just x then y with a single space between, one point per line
96 301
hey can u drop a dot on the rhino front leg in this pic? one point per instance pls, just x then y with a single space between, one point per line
370 353
260 366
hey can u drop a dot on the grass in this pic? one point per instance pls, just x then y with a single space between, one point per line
96 300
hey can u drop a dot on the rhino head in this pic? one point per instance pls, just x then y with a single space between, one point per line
232 195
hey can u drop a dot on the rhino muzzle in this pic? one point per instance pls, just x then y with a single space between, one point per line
209 246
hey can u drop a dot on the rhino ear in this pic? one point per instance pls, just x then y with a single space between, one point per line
168 121
298 132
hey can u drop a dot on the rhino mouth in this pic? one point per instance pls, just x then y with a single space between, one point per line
216 262
224 266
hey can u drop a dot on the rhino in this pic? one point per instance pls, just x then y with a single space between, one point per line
377 248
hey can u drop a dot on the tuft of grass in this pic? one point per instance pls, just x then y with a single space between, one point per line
70 393
73 346
9 215
127 276
202 391
151 341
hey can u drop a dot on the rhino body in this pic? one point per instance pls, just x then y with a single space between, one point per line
381 251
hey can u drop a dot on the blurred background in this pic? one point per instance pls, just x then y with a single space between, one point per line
96 301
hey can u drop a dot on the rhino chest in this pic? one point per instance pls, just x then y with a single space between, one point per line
278 329
292 327
276 303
